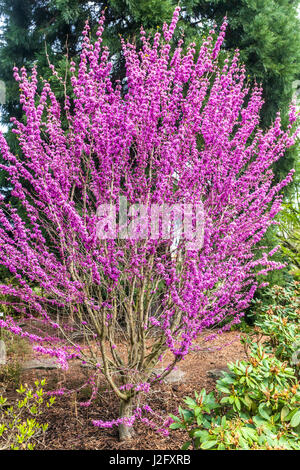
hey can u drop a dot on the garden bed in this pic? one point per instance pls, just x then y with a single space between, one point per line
70 425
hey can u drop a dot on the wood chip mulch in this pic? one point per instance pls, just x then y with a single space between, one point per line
70 425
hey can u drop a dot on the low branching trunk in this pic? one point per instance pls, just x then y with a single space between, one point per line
126 432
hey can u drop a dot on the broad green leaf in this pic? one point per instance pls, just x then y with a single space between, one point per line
208 444
295 419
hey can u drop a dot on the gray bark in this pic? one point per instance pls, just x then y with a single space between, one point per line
125 432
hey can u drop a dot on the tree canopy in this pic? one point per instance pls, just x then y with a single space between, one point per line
266 32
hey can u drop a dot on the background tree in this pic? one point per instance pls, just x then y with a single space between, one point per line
266 32
289 230
29 25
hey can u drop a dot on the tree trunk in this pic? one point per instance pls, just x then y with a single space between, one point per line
125 432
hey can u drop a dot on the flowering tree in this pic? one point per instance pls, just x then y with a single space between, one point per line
180 131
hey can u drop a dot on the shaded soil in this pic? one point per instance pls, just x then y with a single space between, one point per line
70 425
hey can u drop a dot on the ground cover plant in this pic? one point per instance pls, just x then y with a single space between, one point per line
19 428
256 405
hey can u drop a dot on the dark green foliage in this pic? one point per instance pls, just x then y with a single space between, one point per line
266 32
255 406
289 230
30 25
278 318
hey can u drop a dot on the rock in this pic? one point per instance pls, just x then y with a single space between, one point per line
218 373
87 365
78 335
46 364
2 353
173 377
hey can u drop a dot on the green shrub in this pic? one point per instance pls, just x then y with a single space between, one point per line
19 428
17 349
279 320
10 373
256 406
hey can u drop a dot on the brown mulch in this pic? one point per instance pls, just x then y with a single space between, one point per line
70 425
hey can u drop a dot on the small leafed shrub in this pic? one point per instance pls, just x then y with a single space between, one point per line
10 374
16 346
256 406
17 349
279 320
19 428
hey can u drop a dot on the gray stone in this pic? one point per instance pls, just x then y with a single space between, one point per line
2 353
77 335
46 364
173 377
218 373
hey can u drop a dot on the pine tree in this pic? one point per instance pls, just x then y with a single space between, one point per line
267 33
30 25
30 28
